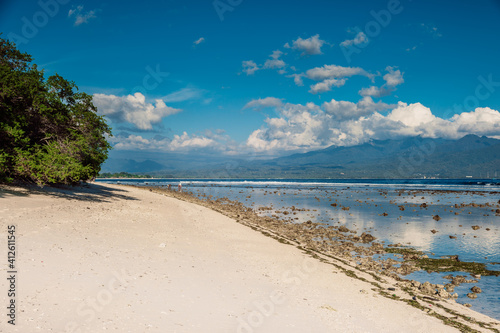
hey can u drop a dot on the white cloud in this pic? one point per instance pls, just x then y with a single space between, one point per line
335 72
137 142
359 39
81 16
298 128
481 121
184 94
207 142
274 63
375 91
264 103
250 67
276 54
199 41
343 123
133 109
331 75
297 78
342 110
326 85
186 142
311 45
412 115
392 79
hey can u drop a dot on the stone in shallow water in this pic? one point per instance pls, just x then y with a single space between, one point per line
472 295
476 290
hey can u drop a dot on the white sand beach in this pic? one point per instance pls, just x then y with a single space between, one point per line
122 259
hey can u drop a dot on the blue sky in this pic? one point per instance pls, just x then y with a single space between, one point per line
240 76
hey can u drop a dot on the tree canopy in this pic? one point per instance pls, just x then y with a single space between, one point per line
49 132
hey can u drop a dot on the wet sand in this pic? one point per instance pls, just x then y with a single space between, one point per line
123 259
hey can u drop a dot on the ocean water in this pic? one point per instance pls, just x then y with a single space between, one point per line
390 210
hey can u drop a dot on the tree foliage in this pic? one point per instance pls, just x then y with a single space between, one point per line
49 132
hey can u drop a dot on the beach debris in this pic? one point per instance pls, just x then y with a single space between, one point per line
436 217
476 290
475 227
328 307
453 237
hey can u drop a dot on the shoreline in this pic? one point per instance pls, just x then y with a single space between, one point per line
182 261
271 227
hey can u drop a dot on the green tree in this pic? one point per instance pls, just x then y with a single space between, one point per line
49 132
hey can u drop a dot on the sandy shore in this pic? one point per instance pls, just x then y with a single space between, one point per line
112 258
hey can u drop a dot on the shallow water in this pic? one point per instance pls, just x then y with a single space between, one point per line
376 208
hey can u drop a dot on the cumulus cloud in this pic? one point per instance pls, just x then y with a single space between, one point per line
264 103
310 46
133 109
208 141
335 72
392 79
359 39
184 141
80 15
137 142
298 128
375 91
343 123
331 75
249 67
274 63
412 115
297 78
342 110
326 85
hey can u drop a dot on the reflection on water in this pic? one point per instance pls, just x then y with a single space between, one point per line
393 213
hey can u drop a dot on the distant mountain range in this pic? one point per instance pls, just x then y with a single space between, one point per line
415 157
